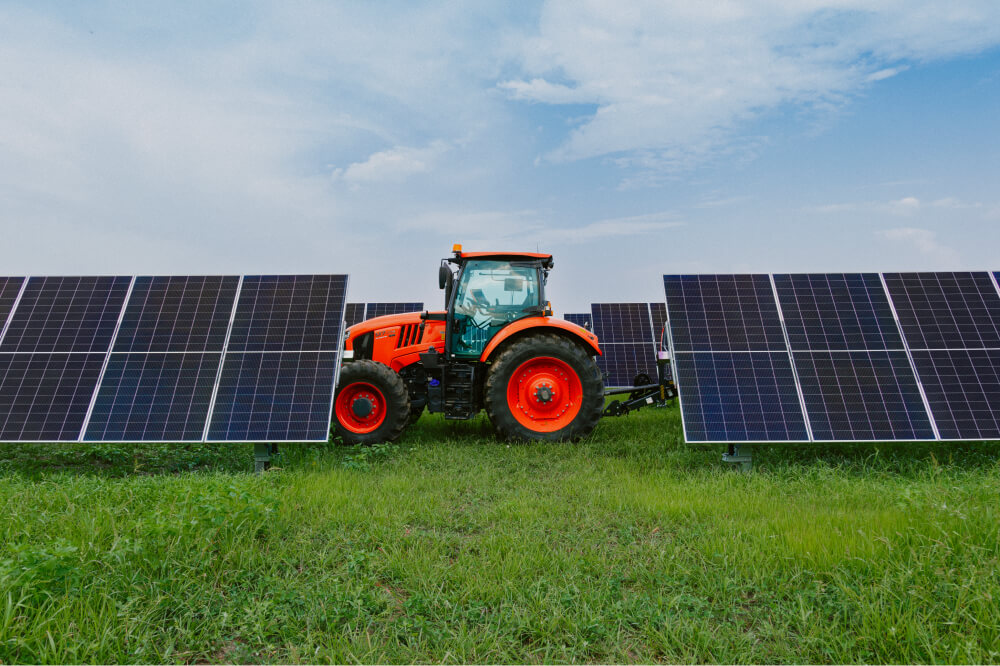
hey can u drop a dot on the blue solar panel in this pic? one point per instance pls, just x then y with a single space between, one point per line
580 319
177 314
837 311
723 313
963 389
621 322
862 396
289 313
66 314
382 309
274 397
621 362
154 397
739 397
44 397
10 287
946 310
658 312
354 313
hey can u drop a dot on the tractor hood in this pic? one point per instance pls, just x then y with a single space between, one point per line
385 321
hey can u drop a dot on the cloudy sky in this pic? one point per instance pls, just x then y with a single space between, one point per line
629 139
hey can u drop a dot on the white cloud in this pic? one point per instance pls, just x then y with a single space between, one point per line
674 80
392 166
923 241
904 206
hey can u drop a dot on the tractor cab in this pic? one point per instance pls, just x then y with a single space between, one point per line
487 292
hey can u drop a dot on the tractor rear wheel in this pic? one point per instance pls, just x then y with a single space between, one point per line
371 404
544 387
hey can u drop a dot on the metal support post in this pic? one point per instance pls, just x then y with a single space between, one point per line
261 457
741 458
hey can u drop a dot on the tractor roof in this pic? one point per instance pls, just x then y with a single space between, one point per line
546 258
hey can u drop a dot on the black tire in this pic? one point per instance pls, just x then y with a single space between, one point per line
396 402
544 345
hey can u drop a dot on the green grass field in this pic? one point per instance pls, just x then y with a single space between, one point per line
452 546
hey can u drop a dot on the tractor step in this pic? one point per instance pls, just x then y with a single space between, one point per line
459 383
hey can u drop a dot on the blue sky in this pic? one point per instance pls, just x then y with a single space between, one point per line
628 139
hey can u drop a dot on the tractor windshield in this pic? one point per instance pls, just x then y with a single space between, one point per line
490 295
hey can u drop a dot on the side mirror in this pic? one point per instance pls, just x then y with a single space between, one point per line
443 274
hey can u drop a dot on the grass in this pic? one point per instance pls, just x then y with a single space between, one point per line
452 546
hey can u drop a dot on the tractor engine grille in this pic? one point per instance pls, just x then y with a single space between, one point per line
410 334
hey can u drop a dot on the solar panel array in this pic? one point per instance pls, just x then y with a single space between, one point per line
580 319
628 340
836 357
169 358
359 312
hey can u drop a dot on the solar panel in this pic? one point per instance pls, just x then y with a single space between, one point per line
177 314
723 313
382 309
289 313
580 319
622 362
951 323
739 397
154 397
274 397
963 390
839 311
625 334
946 310
10 287
158 358
621 322
862 396
658 311
44 397
354 314
66 314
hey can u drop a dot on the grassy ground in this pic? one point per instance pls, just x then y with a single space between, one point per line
452 546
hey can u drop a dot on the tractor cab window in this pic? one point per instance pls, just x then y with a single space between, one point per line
490 295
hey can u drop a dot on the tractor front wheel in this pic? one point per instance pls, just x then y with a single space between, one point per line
544 387
371 404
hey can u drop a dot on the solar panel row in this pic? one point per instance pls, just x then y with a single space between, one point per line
836 357
358 312
629 338
169 358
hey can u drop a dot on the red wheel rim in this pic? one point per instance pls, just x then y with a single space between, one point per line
349 397
544 394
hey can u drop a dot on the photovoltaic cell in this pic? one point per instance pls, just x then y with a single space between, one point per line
580 319
177 314
154 397
289 313
274 397
382 309
739 397
946 310
44 397
354 313
723 313
837 311
66 314
621 322
862 395
9 288
963 389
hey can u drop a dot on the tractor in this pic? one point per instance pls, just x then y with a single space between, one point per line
496 347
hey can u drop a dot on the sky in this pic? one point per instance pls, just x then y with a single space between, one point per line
629 139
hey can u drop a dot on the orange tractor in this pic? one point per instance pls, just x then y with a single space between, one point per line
496 347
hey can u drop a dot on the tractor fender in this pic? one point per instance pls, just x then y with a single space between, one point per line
541 323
